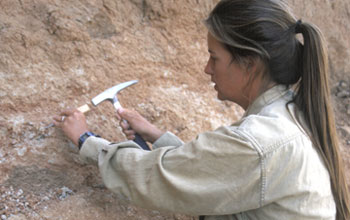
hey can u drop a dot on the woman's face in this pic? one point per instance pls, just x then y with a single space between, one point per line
229 77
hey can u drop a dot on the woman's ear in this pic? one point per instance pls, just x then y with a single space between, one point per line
251 65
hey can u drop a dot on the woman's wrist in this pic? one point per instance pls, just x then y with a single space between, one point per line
85 136
154 135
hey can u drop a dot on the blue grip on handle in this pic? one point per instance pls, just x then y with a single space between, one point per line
139 140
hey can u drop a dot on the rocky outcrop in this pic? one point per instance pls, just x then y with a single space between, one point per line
60 54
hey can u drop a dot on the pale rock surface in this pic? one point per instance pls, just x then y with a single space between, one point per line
60 54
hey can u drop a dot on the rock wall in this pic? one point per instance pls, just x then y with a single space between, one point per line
60 54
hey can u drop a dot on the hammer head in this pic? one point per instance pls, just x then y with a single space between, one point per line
111 93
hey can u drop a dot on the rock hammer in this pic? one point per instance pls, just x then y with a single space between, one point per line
111 95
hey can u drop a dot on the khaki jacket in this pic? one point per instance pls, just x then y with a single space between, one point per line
262 167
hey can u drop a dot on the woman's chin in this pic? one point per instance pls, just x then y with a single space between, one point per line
220 97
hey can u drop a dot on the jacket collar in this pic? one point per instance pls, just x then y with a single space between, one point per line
266 98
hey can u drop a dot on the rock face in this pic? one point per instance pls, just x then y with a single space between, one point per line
60 54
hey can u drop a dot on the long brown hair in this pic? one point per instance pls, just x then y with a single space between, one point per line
267 30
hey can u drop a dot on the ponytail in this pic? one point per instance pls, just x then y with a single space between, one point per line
313 99
267 30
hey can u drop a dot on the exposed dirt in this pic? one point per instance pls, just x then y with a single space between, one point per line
59 54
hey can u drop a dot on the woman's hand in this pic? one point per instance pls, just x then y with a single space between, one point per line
73 124
132 122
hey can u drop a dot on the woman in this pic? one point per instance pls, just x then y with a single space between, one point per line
280 161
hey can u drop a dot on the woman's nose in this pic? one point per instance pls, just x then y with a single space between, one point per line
208 69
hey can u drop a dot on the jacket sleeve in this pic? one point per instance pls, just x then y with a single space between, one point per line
168 139
217 173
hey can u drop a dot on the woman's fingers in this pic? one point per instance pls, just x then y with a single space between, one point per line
127 130
124 124
72 122
137 124
57 119
68 112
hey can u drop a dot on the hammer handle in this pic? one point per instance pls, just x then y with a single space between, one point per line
139 140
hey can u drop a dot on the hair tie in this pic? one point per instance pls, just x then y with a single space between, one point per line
298 26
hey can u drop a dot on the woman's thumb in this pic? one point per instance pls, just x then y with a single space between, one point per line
121 112
124 113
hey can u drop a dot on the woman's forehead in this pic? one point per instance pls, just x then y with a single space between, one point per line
215 46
